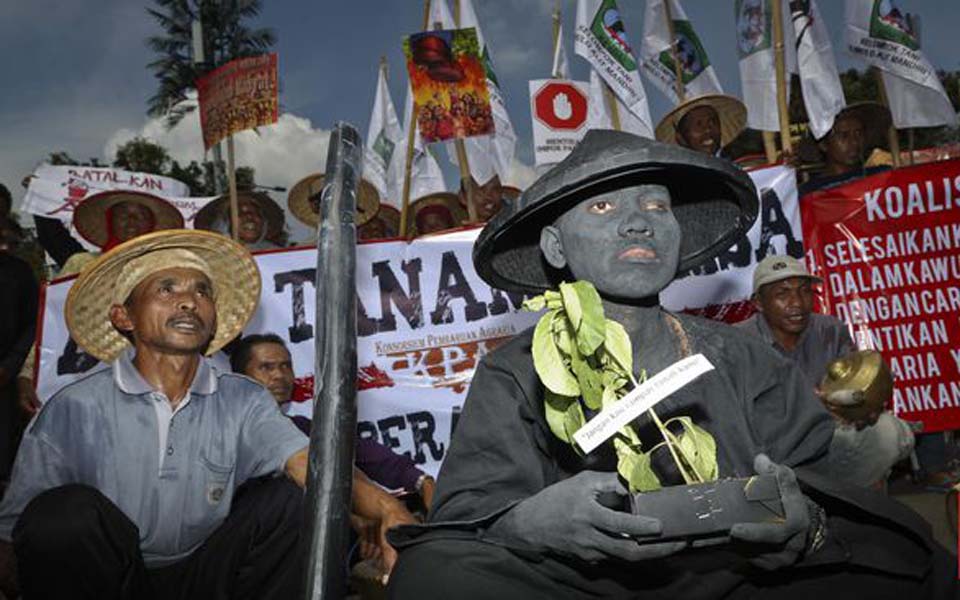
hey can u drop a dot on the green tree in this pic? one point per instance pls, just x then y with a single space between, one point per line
225 37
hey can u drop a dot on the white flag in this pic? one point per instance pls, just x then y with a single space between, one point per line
657 58
602 40
384 138
488 155
425 174
440 13
561 69
819 80
599 114
882 35
915 105
758 74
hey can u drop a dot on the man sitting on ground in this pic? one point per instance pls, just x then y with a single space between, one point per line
124 484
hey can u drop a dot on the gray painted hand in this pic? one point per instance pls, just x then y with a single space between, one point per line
566 518
777 545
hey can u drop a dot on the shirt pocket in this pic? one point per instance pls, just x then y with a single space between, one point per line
208 502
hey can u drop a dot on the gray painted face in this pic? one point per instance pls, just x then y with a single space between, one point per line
626 242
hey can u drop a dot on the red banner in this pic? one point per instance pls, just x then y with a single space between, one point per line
888 250
239 95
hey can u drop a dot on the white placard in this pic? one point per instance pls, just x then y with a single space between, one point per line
641 399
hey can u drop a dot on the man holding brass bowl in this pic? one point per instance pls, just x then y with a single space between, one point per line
853 385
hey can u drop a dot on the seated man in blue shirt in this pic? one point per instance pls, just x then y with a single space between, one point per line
124 484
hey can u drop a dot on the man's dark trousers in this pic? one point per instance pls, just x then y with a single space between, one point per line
73 542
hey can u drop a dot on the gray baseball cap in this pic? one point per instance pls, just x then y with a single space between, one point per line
777 267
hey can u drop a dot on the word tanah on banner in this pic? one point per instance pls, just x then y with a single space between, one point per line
239 95
449 84
888 250
425 319
54 191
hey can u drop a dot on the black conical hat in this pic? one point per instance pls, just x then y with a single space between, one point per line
713 200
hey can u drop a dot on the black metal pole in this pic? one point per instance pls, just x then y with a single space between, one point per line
335 395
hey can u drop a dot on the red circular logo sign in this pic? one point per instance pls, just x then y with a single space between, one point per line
560 105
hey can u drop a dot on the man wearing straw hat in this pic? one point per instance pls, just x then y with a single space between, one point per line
260 220
521 513
127 482
705 124
303 200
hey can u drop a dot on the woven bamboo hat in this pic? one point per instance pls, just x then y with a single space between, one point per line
231 268
732 113
368 200
438 202
271 212
90 216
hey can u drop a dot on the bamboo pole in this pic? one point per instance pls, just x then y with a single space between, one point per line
785 142
892 138
674 47
770 147
232 180
556 33
611 99
411 136
910 146
462 160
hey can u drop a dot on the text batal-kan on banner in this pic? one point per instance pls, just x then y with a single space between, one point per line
888 250
239 95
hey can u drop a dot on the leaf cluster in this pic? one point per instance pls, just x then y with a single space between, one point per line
585 361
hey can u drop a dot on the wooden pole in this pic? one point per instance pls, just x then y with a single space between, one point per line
674 47
910 146
892 138
770 147
785 142
556 33
411 136
612 103
462 160
232 180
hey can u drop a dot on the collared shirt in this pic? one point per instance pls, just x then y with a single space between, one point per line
106 431
825 339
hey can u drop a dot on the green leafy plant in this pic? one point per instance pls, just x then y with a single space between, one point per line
585 360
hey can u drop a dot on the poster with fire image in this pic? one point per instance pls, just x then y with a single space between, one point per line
449 84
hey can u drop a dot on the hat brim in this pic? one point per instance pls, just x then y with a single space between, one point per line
236 281
271 211
731 111
713 201
447 200
90 216
298 200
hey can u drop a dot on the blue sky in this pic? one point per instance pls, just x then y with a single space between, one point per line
76 78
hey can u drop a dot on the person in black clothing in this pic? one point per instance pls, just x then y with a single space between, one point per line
18 323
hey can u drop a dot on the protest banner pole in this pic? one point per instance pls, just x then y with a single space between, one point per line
232 180
461 148
892 138
786 143
556 33
910 146
769 147
611 99
674 45
330 464
411 136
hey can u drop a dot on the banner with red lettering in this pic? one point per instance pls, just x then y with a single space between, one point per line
888 250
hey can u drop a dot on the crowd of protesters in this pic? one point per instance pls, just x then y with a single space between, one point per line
157 303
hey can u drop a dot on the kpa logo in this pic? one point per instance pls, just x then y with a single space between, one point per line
888 22
693 57
608 29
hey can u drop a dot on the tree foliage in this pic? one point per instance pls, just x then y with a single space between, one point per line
225 37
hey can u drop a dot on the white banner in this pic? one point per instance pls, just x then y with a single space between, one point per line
819 79
881 34
697 75
758 77
559 109
384 137
601 39
425 319
55 191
